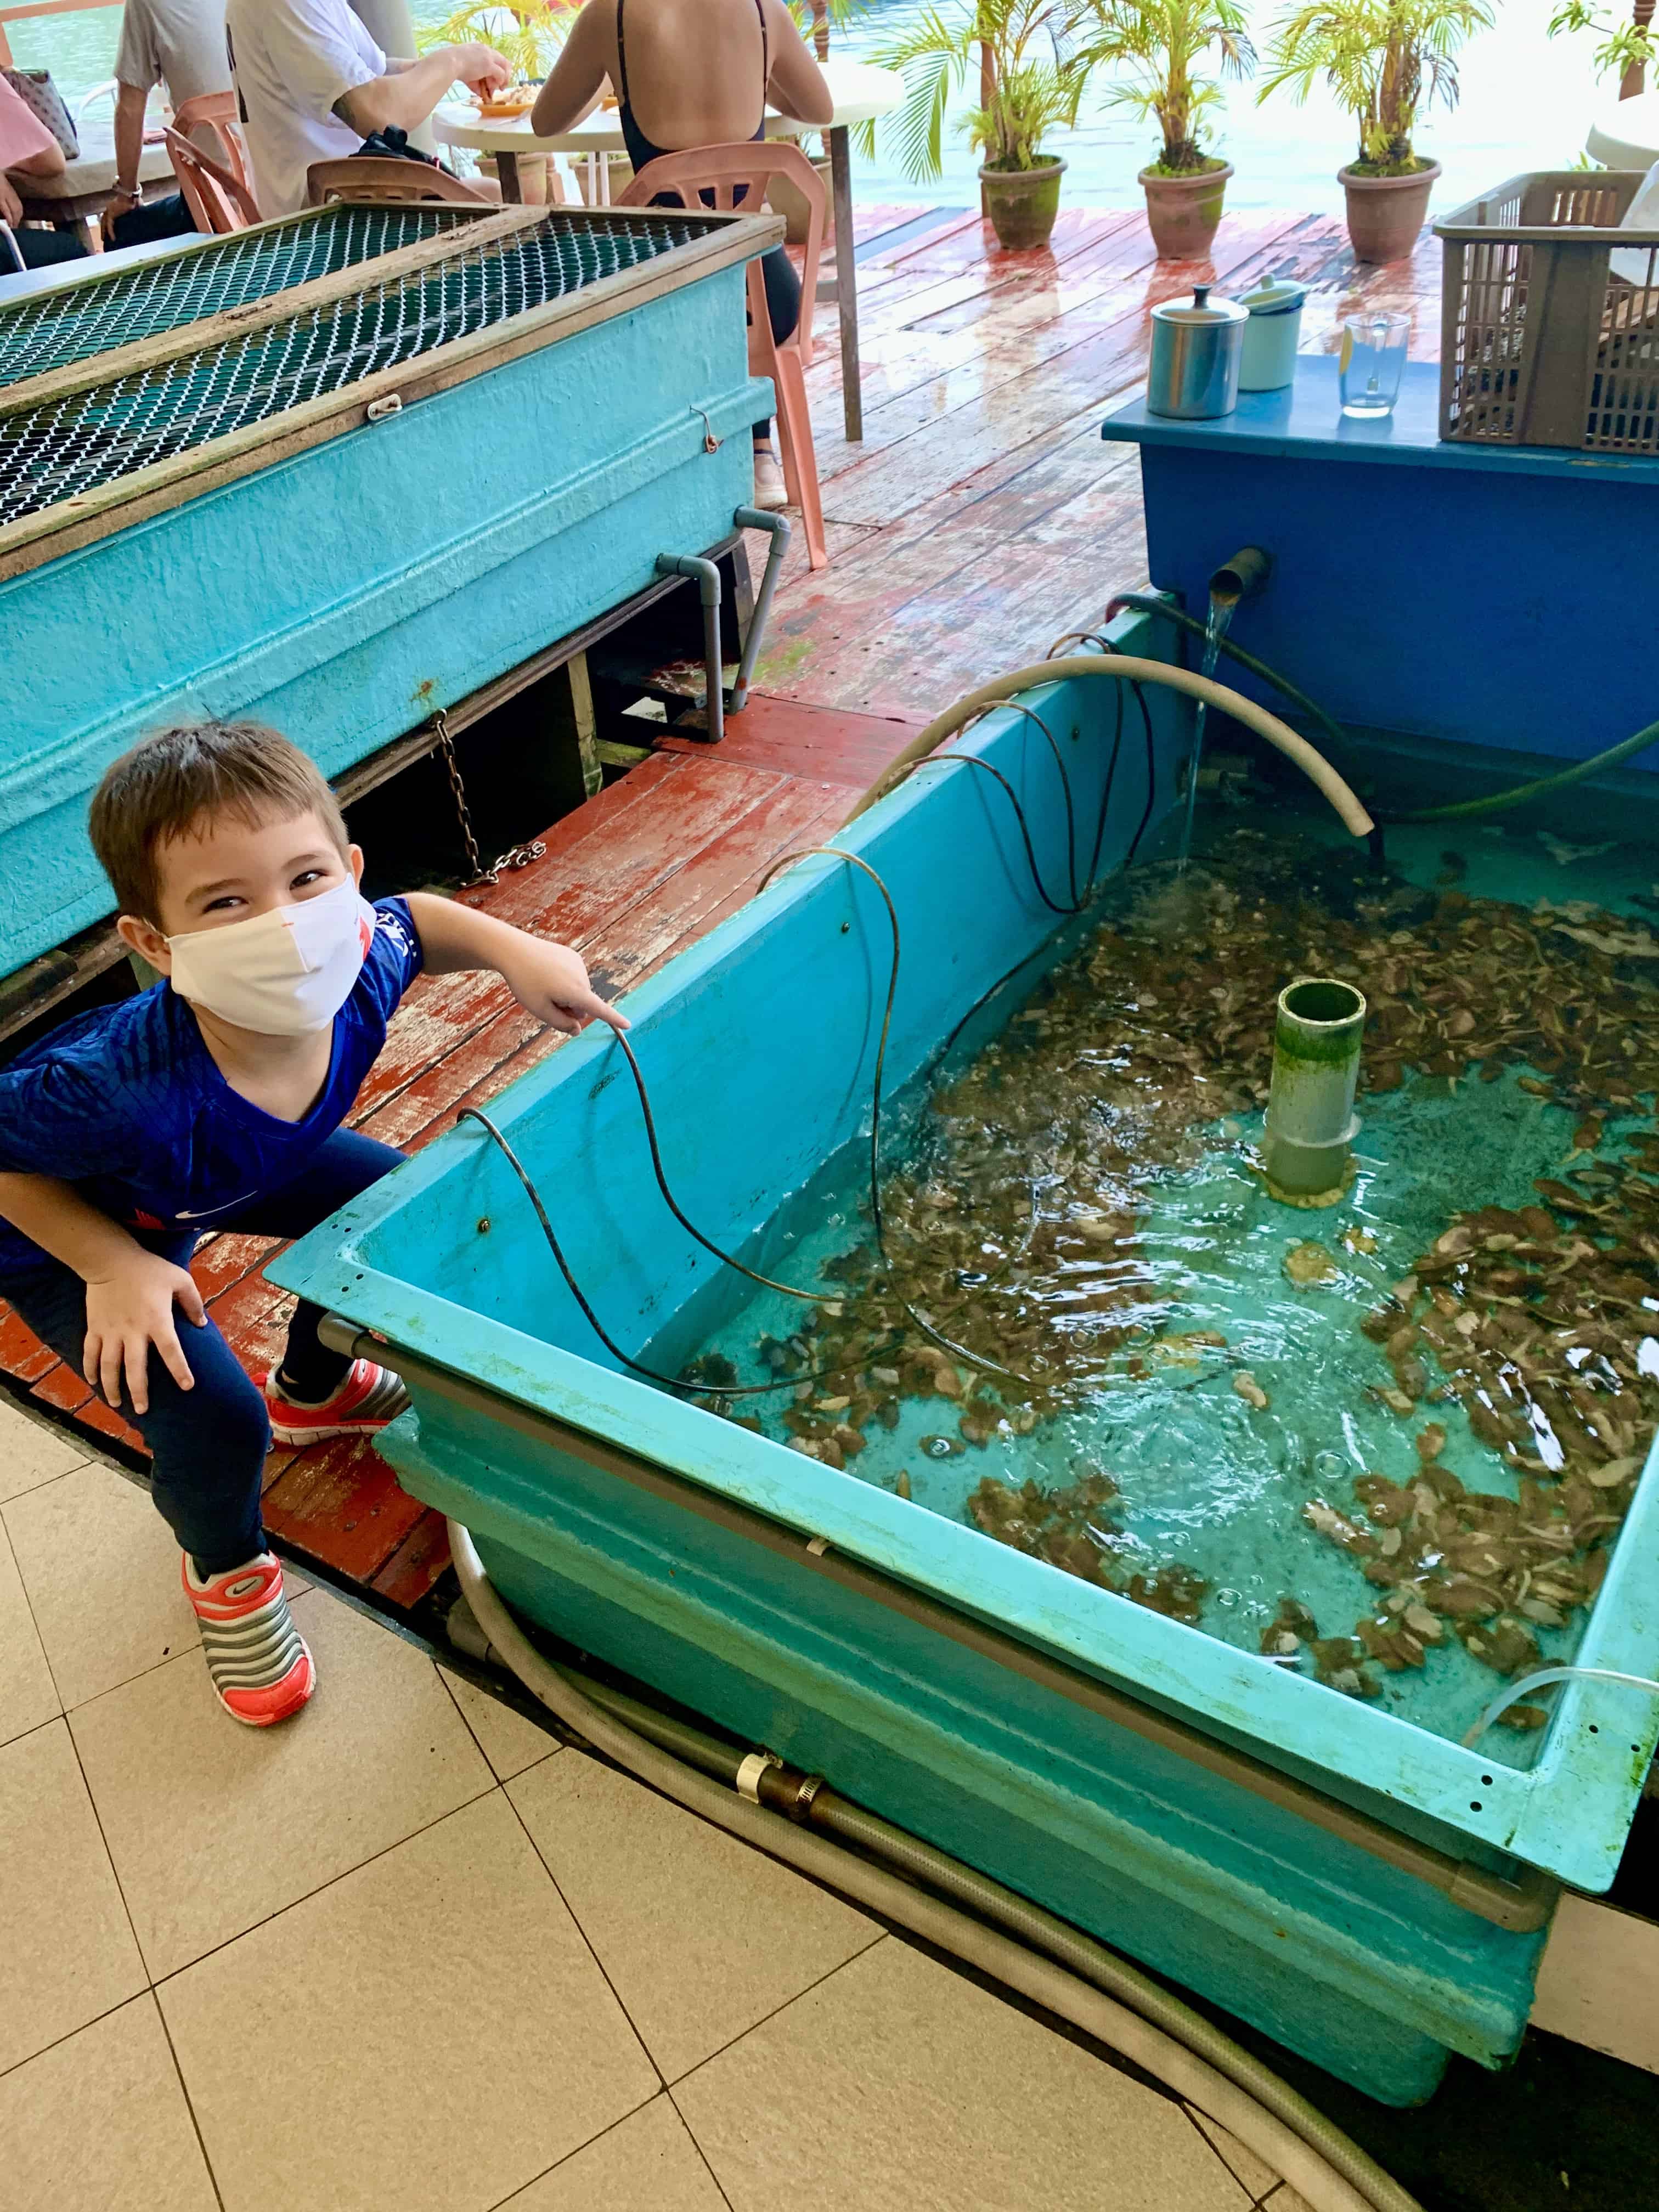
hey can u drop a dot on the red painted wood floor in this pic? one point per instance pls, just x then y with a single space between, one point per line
981 517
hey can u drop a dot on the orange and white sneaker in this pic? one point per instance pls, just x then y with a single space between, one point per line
258 1663
366 1401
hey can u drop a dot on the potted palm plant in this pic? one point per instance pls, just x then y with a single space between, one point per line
1030 82
1387 61
1161 45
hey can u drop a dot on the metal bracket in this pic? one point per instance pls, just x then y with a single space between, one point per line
379 411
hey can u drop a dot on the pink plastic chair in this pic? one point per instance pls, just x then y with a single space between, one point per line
712 176
386 180
218 193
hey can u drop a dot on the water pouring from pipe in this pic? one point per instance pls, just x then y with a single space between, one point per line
1248 571
1311 1124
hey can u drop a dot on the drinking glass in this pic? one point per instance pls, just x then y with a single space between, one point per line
1370 365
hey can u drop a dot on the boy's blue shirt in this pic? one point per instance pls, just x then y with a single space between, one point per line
128 1104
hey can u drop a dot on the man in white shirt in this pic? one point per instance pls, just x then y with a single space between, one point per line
180 44
312 85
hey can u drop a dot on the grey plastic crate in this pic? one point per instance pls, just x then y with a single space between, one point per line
1542 342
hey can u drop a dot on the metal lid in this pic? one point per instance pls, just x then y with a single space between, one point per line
1274 295
1199 311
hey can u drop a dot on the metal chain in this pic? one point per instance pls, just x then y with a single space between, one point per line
516 856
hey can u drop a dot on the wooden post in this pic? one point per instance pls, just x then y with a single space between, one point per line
1634 80
987 86
847 284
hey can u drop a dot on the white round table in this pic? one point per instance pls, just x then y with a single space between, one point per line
860 93
1627 136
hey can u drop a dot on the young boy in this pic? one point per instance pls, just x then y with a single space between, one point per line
213 1101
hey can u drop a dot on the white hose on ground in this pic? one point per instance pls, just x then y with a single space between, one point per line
1301 2145
1124 668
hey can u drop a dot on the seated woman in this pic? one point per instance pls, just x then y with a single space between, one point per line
691 73
29 149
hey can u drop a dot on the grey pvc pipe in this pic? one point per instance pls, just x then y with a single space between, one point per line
713 671
759 518
1124 668
1173 2043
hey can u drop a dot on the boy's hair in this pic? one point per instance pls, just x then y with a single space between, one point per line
176 777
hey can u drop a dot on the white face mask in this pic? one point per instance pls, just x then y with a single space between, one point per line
283 973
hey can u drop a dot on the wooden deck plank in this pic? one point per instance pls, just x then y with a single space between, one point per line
633 943
339 1502
589 873
797 739
418 1562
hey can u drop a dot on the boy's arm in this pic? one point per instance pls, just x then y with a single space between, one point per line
130 1292
549 980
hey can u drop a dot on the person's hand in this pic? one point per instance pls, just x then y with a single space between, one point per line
550 982
481 68
129 1309
11 208
121 204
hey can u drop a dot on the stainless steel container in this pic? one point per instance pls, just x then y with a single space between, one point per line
1196 345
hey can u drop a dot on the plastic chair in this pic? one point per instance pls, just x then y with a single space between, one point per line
218 193
712 176
12 262
106 90
216 111
385 181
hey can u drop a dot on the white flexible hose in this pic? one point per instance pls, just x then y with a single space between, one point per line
1329 2170
1516 1691
1124 668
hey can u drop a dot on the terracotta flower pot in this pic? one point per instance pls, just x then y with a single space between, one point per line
1184 211
1023 204
1386 214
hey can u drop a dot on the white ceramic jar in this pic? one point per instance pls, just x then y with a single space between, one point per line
1272 335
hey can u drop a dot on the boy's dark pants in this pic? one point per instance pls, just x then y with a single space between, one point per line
208 1444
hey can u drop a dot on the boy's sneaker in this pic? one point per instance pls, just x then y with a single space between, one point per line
369 1397
258 1661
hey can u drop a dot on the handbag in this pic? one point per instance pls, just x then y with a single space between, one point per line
35 88
395 142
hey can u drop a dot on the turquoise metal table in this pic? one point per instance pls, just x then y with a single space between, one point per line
1442 591
344 505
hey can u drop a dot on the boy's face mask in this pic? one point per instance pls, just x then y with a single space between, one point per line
281 973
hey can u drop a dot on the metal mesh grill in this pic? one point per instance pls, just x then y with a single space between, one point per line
56 328
70 446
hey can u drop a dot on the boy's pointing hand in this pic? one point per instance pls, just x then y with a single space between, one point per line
550 982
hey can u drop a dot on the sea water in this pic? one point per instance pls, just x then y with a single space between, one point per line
1077 1205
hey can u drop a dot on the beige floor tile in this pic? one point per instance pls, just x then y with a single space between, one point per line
66 1950
445 2036
1257 2177
27 1694
508 1741
99 2124
897 2084
31 1453
213 1827
101 1570
1286 2199
648 2161
700 1935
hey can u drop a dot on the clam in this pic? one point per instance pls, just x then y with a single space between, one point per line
1308 1265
